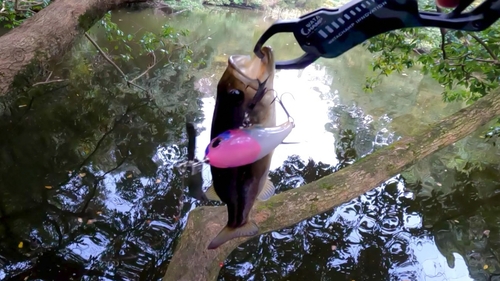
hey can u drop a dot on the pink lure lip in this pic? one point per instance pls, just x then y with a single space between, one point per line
231 149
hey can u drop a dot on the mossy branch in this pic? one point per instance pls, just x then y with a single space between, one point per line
192 260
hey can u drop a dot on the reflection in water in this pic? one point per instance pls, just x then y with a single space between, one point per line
88 189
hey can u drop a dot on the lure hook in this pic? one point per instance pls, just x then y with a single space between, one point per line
290 118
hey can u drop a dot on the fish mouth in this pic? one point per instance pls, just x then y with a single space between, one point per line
251 70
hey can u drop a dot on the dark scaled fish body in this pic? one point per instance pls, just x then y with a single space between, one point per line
194 179
239 187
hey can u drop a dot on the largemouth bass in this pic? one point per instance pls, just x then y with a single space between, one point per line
239 187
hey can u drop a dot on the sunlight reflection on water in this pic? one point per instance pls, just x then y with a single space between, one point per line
314 141
87 248
115 201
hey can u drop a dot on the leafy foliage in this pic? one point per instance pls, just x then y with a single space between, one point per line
12 15
494 133
466 63
162 44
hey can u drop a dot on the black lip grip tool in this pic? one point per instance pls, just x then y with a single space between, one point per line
329 33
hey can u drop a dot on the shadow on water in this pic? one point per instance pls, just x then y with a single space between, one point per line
88 189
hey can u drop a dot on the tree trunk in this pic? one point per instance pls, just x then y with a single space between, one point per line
192 260
48 34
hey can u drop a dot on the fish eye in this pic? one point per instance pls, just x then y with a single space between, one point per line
236 96
216 142
235 92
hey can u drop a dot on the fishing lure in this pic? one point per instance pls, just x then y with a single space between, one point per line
259 94
243 146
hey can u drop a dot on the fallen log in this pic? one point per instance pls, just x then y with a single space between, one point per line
49 34
192 261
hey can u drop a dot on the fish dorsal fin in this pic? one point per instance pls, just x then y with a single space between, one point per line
211 194
267 191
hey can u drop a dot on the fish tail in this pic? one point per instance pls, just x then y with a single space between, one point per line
229 233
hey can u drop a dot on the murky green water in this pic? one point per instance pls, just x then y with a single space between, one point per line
88 189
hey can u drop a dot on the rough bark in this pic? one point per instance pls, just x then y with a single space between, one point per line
192 260
49 34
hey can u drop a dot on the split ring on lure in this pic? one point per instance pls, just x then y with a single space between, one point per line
243 146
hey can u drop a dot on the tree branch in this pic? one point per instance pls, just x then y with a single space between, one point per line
487 61
443 35
490 51
192 260
48 81
151 65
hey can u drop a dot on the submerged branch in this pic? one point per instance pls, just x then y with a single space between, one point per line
129 82
151 65
105 55
192 260
48 81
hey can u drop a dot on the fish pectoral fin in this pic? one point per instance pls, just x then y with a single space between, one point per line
229 233
211 194
267 191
